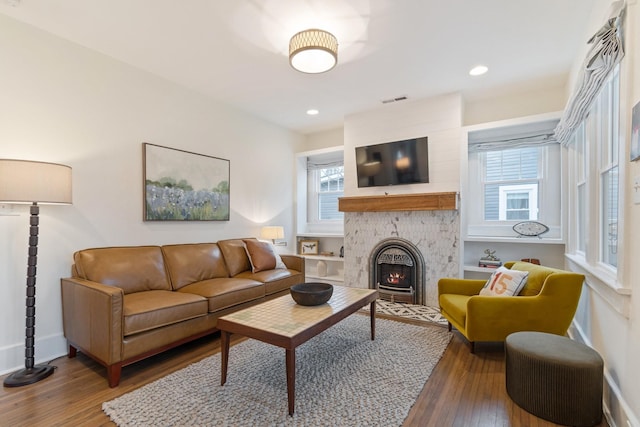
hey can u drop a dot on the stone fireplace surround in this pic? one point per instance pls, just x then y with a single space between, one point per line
435 232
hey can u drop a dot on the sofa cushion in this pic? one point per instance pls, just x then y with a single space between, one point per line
274 280
537 276
190 263
235 256
225 292
132 268
505 282
261 255
148 310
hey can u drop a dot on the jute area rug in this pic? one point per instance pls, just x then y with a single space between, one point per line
342 379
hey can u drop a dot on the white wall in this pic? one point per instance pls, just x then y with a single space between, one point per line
63 103
608 319
320 140
631 370
515 104
438 118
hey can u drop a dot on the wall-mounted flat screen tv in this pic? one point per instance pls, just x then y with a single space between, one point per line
393 163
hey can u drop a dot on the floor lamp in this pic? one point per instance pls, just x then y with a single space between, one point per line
25 181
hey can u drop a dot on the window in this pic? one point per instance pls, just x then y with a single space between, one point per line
581 190
518 202
511 184
594 154
513 178
325 184
329 184
609 137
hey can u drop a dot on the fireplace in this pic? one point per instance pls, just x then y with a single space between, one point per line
397 271
431 227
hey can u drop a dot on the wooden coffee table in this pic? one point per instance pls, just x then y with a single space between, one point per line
283 323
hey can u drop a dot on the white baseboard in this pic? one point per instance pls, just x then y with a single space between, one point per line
616 410
46 349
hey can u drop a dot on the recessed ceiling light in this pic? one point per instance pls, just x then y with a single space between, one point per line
478 70
313 112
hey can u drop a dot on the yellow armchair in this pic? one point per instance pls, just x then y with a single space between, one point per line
547 303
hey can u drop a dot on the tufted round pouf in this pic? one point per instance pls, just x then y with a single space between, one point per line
554 378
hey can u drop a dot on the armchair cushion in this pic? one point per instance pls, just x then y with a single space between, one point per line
505 282
456 306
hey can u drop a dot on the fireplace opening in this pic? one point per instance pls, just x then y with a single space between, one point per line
397 271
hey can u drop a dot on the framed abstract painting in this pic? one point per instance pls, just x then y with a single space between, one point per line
184 186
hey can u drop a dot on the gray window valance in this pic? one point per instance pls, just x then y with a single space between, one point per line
519 136
325 160
605 53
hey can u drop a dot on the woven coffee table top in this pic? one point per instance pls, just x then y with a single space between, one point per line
282 316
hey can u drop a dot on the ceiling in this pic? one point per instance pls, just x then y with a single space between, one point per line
236 50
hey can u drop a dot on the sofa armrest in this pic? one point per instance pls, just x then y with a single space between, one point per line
450 285
560 295
293 262
93 318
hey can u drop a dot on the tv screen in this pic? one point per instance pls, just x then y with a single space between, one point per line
393 163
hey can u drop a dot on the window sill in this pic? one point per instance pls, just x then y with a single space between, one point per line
604 283
321 234
523 240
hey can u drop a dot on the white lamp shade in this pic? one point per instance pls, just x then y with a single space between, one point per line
26 181
272 232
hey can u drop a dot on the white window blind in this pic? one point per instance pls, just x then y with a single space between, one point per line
520 136
605 53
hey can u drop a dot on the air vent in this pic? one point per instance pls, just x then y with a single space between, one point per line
390 100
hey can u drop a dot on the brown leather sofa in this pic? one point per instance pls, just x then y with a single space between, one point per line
123 304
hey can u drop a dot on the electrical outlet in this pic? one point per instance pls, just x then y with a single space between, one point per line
636 190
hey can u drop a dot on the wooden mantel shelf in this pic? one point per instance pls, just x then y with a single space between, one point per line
399 202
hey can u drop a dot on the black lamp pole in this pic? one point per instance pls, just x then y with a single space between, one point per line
31 373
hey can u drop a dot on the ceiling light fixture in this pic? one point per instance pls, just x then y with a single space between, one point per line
313 112
313 51
478 70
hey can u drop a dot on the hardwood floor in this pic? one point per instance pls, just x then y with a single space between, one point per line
464 389
469 390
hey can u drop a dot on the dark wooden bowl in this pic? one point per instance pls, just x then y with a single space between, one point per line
311 293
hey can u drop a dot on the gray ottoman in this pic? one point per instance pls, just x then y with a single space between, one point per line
554 378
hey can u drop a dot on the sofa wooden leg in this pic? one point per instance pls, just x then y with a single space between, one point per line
72 352
472 347
449 326
113 374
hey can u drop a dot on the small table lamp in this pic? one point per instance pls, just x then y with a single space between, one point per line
25 181
272 233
